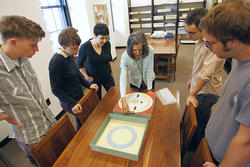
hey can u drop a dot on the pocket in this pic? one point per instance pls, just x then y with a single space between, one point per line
216 81
11 88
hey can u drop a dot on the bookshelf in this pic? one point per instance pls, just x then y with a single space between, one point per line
158 16
186 6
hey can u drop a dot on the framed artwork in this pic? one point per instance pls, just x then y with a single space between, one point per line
101 14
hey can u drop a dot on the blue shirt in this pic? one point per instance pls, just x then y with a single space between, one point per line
128 64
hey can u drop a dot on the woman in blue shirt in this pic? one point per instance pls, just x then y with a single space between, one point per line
138 59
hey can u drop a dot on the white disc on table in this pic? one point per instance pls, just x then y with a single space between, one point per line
138 102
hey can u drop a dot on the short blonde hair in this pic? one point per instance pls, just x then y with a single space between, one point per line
19 27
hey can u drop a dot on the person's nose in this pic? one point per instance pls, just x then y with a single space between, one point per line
36 49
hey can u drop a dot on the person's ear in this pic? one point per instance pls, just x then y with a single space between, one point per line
64 47
234 42
12 41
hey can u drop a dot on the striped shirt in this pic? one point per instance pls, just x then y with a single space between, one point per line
21 98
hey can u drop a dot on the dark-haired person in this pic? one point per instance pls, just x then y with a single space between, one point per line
21 97
205 82
95 60
65 78
138 60
226 30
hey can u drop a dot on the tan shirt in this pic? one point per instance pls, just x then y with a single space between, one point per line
207 67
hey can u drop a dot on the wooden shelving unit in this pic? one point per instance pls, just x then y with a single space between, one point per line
186 6
153 17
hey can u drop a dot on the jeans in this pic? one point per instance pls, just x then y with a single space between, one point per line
26 148
203 112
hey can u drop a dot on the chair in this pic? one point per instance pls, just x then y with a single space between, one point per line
188 127
88 102
46 152
201 155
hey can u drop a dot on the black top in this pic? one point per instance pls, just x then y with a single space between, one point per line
65 79
98 66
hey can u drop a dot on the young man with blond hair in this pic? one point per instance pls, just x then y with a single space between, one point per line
21 98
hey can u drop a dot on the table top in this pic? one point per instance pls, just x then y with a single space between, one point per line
162 45
160 148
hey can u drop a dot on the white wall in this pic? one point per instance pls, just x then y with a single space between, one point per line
82 17
121 21
79 18
40 61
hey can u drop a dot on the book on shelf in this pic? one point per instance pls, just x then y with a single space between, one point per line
135 26
134 20
158 24
170 17
133 13
158 18
146 25
145 19
164 10
145 12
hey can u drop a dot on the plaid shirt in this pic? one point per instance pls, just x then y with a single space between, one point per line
21 98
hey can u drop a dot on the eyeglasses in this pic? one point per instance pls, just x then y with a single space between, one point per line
209 44
191 33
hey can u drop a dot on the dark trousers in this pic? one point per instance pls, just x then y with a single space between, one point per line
143 86
203 112
67 109
106 83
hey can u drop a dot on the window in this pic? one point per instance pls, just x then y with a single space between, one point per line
56 16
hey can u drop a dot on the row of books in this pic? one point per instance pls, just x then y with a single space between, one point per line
149 25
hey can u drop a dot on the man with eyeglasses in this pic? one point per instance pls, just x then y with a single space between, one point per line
205 82
226 30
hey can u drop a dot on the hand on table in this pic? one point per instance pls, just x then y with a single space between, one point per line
125 107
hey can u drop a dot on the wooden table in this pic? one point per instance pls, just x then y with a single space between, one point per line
161 146
164 57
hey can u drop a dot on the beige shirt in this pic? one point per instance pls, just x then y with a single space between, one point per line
207 67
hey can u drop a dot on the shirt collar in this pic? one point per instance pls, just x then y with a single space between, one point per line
8 63
201 40
61 52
